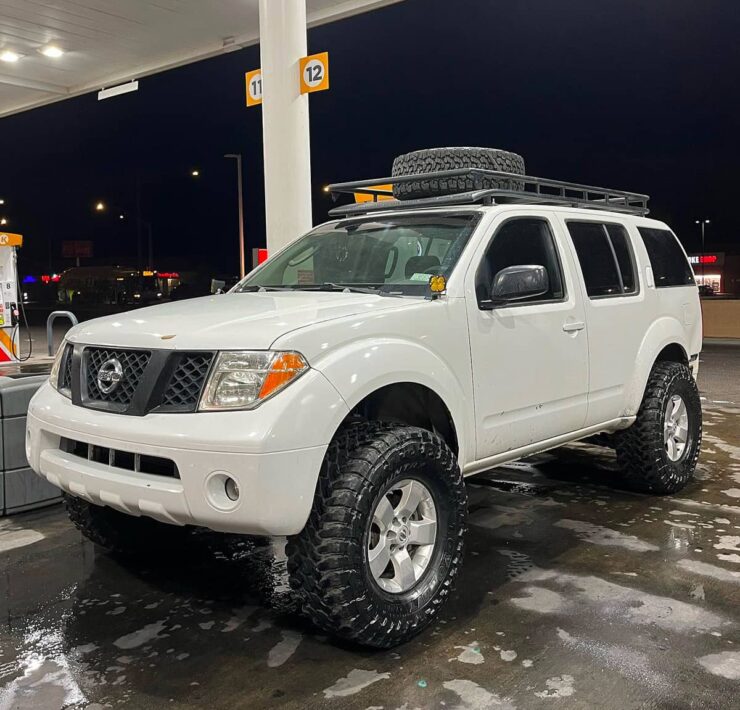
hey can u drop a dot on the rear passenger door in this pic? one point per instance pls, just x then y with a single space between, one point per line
615 314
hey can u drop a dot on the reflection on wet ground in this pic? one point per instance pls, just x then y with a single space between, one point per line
574 594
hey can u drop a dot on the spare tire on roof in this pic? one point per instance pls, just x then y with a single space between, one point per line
437 159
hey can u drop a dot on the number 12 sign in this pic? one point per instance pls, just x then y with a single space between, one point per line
254 87
314 73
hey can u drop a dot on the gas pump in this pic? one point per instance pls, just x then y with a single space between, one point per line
9 317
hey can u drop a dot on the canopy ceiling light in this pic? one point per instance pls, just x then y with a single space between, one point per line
117 90
8 55
52 51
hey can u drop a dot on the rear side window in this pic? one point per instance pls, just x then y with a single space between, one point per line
670 267
606 259
623 251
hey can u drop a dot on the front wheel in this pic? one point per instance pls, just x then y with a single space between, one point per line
123 534
658 453
384 541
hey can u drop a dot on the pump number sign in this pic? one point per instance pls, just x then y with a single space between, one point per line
314 73
254 87
10 240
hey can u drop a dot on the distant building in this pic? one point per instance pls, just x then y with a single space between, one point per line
717 270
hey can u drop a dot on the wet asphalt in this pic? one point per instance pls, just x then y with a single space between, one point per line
574 594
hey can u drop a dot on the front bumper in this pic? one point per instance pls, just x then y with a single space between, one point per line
274 453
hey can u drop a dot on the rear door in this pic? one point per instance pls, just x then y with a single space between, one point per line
615 309
529 358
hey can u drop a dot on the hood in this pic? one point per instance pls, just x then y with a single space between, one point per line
233 321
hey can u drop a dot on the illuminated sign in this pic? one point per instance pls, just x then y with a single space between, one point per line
10 240
703 259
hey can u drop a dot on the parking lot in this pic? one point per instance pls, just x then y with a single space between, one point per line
574 594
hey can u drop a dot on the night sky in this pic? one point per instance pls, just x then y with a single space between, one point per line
635 94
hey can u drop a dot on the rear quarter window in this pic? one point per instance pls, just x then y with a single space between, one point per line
669 264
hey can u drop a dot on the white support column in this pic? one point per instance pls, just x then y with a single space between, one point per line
286 135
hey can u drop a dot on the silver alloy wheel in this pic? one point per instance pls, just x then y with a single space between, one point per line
403 536
676 428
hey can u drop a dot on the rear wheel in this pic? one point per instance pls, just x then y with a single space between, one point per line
384 541
658 453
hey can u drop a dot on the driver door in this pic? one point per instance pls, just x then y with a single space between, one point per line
529 357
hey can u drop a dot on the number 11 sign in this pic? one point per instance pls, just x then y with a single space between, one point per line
254 87
314 73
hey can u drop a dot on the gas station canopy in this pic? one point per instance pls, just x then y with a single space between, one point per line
55 49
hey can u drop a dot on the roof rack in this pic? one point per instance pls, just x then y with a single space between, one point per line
520 189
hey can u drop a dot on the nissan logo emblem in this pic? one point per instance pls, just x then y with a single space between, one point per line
110 375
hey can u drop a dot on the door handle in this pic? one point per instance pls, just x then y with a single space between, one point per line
573 327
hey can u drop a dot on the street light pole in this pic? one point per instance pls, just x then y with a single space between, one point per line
238 158
703 223
150 245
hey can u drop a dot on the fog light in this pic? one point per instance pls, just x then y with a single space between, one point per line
222 491
232 489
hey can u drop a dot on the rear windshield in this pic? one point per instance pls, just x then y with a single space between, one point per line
395 254
669 263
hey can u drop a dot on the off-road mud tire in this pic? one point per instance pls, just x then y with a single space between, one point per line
327 561
641 453
437 159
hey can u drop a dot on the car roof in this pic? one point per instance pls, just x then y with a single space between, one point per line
520 208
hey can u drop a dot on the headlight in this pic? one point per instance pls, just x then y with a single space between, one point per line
243 380
54 374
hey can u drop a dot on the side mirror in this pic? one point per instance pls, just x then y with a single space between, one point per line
515 283
217 286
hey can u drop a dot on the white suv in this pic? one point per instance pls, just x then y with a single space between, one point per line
342 391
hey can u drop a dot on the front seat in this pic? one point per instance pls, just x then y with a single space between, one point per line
422 265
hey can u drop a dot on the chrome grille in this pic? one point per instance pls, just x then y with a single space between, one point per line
133 362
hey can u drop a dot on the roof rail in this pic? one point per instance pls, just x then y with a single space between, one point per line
520 189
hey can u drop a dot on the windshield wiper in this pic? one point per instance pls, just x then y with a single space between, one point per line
256 289
349 289
327 286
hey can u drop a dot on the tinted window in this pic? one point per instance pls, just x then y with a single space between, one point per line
595 254
606 258
519 242
623 251
670 267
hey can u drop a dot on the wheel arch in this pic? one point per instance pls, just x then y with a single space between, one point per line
377 376
664 341
673 352
410 404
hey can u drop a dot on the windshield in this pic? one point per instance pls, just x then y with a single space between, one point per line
391 255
